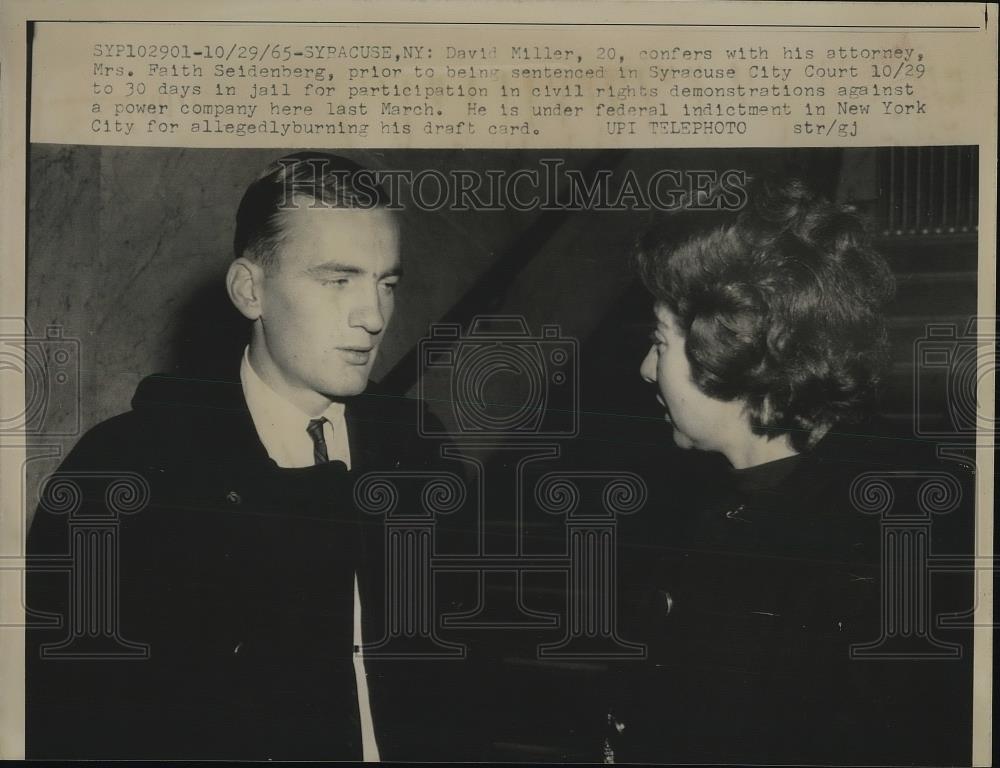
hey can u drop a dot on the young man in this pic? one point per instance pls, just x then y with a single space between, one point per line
246 572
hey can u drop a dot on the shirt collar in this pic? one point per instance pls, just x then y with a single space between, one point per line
280 424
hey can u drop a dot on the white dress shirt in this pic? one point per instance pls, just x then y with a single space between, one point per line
281 427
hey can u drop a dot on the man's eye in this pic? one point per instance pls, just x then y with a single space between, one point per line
390 287
339 282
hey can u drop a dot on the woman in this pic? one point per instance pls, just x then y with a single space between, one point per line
769 331
769 336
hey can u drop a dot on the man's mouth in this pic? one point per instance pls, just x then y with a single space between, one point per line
357 355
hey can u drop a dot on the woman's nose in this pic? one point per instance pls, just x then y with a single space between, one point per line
648 368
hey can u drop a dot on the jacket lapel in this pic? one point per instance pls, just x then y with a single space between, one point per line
367 451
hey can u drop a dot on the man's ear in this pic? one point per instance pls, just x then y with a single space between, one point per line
244 281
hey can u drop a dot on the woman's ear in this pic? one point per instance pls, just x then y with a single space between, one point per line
767 413
766 410
244 284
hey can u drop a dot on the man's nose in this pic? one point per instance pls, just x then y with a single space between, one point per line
648 368
369 313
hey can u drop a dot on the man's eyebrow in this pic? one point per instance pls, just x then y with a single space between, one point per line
329 267
339 268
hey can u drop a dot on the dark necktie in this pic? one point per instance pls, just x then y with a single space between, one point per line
315 430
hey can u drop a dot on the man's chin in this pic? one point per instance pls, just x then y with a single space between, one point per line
351 387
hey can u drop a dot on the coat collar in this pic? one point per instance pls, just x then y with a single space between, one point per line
215 408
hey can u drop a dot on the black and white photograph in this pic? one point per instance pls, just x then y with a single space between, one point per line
501 455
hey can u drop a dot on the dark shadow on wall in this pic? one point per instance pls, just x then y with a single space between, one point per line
210 334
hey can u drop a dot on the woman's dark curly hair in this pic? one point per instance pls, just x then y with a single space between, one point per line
782 308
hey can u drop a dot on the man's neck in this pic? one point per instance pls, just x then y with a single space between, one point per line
311 403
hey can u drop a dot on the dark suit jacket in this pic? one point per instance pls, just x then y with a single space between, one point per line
750 601
239 576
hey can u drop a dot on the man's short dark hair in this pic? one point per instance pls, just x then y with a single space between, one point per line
783 308
311 179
